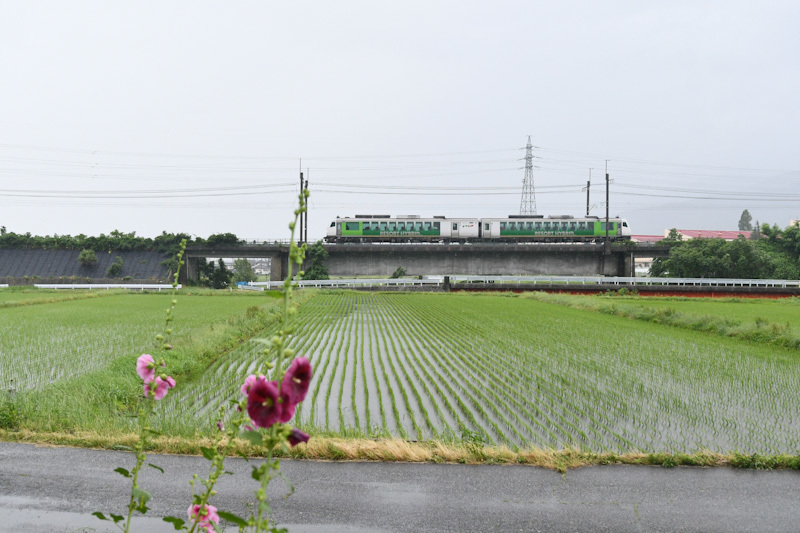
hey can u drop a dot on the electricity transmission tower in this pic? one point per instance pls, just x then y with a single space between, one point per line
527 205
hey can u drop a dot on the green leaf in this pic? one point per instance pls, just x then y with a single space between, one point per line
232 518
151 465
256 473
99 515
122 471
208 453
116 518
143 496
254 437
122 448
177 523
243 456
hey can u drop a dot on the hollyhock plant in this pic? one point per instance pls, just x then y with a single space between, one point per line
263 403
296 380
158 387
297 436
248 382
146 367
206 517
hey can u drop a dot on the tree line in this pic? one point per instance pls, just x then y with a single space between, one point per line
166 243
770 253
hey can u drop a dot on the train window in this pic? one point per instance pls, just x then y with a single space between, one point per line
333 223
419 226
486 226
547 226
401 226
538 226
436 225
383 226
502 226
427 226
564 226
512 226
529 226
573 225
455 226
392 226
624 223
351 226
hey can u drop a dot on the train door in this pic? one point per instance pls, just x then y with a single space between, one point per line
454 230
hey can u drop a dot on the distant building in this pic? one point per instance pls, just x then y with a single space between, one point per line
710 234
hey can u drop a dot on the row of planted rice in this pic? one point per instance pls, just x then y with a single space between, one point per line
516 371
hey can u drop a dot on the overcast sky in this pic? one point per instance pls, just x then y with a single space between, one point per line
197 116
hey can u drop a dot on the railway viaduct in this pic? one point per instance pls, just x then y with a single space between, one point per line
351 260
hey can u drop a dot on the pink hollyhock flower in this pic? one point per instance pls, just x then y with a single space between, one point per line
248 382
263 403
204 517
160 388
297 436
146 367
296 380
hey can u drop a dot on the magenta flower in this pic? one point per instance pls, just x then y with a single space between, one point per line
297 436
287 408
204 517
146 367
160 389
248 382
263 403
296 380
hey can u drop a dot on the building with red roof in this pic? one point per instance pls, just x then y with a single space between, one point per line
710 234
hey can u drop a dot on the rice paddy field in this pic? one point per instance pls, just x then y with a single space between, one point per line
488 368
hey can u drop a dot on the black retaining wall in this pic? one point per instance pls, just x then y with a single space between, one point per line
64 264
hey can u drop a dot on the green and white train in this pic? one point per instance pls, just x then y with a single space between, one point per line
515 228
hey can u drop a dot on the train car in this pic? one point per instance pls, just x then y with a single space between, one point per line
515 228
558 228
409 229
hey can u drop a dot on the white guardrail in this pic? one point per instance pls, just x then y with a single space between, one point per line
106 286
534 280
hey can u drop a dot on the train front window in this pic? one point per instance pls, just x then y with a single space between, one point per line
333 223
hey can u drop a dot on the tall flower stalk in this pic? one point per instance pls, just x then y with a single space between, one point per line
156 384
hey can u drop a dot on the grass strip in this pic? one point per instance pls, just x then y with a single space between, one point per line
398 450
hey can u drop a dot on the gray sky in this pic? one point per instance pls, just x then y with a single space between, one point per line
193 116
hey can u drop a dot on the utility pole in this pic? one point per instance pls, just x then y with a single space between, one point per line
588 184
300 236
527 205
607 245
305 236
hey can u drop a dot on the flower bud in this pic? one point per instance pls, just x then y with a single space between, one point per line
159 337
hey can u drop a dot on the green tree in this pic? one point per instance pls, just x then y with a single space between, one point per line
315 261
243 271
745 221
399 273
220 276
115 268
87 258
756 233
223 238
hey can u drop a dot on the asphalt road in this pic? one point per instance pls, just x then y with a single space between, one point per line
46 489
